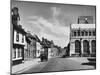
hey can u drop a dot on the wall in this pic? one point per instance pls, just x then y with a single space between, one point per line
20 38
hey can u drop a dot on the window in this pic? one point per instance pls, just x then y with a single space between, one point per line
14 53
86 33
94 33
78 32
22 38
74 33
38 51
82 33
17 36
18 52
89 33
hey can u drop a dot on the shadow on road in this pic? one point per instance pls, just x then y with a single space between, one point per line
90 64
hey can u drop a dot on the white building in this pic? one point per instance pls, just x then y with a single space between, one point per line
83 40
18 44
38 49
50 53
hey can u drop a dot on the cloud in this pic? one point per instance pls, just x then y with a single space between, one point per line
52 29
59 17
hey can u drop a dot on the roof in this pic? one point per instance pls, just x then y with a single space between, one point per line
83 26
19 28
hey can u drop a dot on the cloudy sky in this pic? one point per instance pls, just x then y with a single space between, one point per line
51 21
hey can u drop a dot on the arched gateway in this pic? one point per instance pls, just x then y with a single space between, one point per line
93 45
86 50
77 47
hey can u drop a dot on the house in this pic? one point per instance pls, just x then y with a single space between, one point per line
18 44
18 38
30 51
38 49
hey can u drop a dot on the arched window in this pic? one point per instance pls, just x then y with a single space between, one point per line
77 46
93 45
86 47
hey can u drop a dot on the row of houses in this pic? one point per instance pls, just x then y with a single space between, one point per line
23 43
26 46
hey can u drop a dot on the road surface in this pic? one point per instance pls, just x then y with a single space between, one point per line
58 64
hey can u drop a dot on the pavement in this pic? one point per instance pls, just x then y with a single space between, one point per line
23 66
52 65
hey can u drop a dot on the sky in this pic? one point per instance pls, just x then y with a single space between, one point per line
50 20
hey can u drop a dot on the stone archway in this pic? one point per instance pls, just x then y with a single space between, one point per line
93 46
86 50
77 46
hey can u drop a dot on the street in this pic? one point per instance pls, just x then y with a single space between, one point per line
58 64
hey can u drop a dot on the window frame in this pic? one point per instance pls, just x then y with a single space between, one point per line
90 33
14 56
94 33
82 33
17 36
75 33
22 38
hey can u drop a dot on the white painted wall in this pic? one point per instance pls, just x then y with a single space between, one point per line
38 49
20 38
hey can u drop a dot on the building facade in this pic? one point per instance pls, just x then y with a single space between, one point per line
18 38
54 51
38 49
30 51
18 44
83 40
